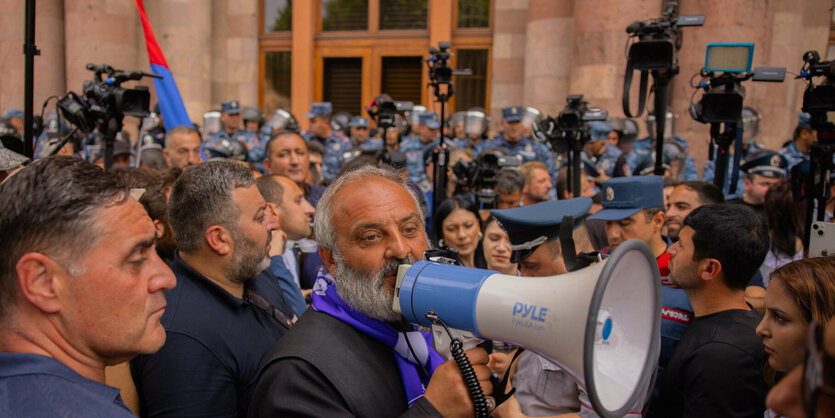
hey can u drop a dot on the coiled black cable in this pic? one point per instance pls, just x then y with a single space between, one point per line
470 378
456 349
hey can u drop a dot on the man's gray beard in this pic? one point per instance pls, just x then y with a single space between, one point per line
365 294
249 259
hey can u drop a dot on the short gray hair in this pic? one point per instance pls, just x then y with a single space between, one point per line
202 197
52 207
323 226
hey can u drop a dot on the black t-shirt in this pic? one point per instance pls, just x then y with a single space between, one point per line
758 209
716 369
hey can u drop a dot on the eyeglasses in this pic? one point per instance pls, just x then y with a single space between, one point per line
817 369
263 304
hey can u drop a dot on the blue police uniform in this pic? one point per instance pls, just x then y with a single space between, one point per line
335 145
644 146
414 149
793 154
372 144
607 160
710 169
527 148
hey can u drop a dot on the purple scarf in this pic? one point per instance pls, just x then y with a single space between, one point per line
326 300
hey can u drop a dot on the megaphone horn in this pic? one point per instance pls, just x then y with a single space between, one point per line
601 324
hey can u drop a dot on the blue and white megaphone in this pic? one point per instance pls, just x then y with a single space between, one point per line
601 324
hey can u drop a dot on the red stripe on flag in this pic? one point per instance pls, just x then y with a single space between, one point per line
154 52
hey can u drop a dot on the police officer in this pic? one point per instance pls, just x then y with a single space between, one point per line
321 130
360 129
421 141
602 154
762 170
797 151
644 146
230 137
156 132
534 238
476 122
251 135
513 139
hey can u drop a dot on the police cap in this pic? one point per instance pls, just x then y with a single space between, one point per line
531 226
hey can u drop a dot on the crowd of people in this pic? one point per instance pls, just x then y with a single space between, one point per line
248 268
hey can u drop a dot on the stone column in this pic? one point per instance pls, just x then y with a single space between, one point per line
187 49
99 32
49 66
509 32
548 50
781 31
599 41
234 51
304 29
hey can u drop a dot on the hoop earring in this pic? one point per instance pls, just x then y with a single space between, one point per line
441 243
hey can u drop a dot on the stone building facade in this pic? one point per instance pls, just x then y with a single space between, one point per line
538 51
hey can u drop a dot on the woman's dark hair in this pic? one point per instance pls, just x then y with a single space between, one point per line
444 209
785 217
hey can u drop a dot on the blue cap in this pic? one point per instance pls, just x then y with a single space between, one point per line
358 122
13 113
430 119
803 120
599 130
768 164
231 107
319 109
590 169
513 113
531 226
625 196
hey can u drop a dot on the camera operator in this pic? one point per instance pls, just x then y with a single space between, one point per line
797 150
509 185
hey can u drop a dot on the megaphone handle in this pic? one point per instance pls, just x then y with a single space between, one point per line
456 349
500 385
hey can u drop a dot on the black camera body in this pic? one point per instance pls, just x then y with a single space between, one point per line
480 176
818 99
384 110
569 126
659 39
103 99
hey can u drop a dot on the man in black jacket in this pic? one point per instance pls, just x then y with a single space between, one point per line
351 354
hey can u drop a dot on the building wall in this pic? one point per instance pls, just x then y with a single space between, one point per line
542 50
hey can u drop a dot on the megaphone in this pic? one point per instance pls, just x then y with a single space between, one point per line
600 324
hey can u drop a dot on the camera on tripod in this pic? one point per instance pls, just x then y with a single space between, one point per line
384 110
819 99
569 125
104 99
480 176
727 65
659 39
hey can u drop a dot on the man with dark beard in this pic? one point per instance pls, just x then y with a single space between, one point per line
227 311
351 354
